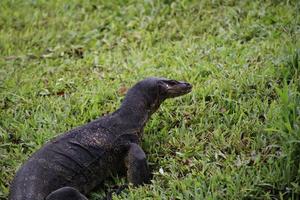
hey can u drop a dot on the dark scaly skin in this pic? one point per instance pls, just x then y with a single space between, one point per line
74 163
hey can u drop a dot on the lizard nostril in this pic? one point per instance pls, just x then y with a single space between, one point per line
188 85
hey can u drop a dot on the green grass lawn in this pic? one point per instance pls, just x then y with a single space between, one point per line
235 136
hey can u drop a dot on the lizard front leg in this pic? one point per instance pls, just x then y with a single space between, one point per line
137 166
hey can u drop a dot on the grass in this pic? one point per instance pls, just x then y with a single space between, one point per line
236 136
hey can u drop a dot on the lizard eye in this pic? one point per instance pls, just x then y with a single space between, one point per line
167 84
170 83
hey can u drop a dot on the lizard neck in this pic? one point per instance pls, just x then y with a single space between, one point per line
135 111
133 116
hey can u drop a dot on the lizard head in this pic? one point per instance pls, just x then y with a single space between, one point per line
155 90
172 88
